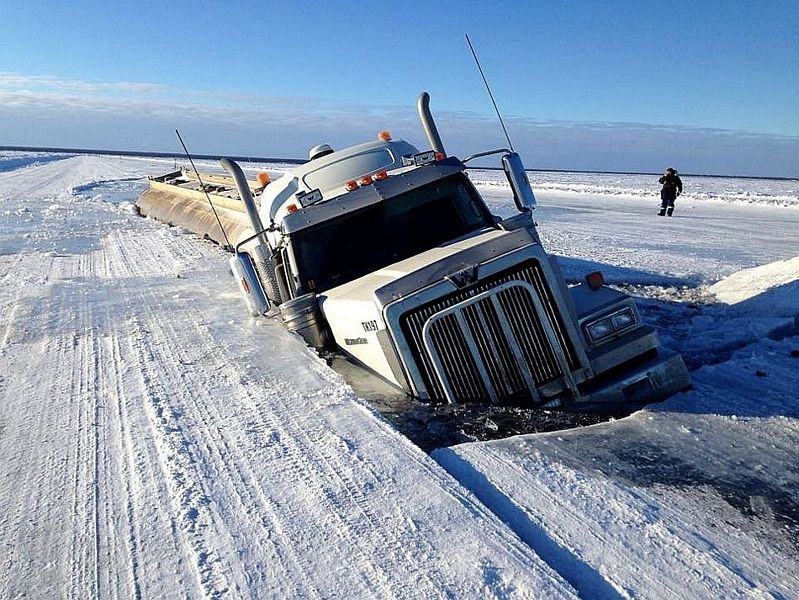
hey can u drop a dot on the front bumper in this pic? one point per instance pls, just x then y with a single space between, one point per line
652 381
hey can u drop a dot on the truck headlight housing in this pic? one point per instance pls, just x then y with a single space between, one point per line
613 324
599 330
622 319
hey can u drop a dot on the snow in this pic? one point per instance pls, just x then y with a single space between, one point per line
780 279
157 442
731 190
695 497
704 241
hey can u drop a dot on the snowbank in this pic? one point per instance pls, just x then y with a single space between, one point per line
768 290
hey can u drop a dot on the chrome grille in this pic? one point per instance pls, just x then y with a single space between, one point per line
476 344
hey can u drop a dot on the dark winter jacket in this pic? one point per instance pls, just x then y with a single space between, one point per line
672 185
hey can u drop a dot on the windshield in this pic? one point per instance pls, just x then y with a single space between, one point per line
343 249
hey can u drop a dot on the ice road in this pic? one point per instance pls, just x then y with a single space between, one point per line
156 442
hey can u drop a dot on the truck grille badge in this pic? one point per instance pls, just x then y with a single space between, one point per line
463 277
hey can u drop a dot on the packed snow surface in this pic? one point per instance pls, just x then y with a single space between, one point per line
156 442
735 190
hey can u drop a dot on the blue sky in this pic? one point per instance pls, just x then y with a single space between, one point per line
706 86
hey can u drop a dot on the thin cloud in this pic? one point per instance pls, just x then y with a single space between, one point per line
141 116
16 81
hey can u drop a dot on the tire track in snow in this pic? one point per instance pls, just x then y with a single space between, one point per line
336 487
41 443
158 333
24 497
83 388
154 348
71 404
186 495
291 431
126 452
225 462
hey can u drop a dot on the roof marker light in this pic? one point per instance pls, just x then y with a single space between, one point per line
440 156
384 135
351 185
365 180
380 175
595 280
292 208
264 179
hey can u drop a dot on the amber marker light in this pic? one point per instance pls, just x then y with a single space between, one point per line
351 185
384 135
365 180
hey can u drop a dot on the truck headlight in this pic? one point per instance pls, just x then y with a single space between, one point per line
599 329
622 319
615 323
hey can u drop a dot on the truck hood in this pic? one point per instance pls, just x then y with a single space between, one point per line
409 275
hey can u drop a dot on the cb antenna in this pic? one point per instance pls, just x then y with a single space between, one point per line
488 88
202 186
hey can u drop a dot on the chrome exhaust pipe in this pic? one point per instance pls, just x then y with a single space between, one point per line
246 196
423 105
259 297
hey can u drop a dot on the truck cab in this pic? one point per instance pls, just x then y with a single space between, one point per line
390 255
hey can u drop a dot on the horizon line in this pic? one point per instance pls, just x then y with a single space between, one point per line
299 161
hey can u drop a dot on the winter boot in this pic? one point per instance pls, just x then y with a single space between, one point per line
662 212
670 211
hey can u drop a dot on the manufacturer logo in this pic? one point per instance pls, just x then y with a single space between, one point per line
464 277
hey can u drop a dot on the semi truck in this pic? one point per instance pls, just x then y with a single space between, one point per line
388 254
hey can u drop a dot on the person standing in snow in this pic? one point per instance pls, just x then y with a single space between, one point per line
672 187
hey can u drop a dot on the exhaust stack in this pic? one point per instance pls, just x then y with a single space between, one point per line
246 196
423 105
259 292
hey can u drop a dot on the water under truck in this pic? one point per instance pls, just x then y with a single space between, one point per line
390 255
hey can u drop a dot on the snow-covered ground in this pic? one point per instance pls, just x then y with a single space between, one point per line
734 190
705 240
155 442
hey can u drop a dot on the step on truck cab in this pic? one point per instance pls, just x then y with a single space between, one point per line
390 255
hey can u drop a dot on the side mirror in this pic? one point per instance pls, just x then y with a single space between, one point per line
519 183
